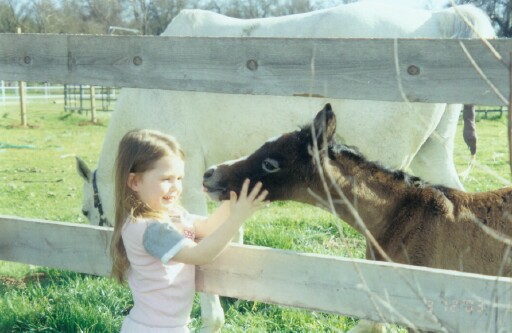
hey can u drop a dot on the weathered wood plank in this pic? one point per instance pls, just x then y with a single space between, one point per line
429 298
71 246
376 69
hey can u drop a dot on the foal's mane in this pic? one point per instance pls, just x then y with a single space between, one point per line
337 152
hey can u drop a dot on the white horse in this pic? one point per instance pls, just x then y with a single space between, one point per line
413 136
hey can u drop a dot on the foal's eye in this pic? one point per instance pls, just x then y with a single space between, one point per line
270 165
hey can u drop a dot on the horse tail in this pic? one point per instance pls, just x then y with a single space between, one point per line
469 130
465 21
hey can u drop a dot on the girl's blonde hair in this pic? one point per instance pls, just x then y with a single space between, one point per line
137 153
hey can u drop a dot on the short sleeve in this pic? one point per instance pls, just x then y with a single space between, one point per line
162 241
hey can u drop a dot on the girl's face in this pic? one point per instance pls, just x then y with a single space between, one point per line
160 187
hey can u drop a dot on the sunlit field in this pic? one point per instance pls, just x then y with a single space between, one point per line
38 180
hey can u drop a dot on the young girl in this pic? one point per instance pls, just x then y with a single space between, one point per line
153 245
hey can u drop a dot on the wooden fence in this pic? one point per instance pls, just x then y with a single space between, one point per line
462 71
429 298
420 70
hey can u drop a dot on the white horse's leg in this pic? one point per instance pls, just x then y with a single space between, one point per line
434 161
194 200
212 314
366 326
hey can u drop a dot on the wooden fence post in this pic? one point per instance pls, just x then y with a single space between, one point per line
509 123
3 91
92 92
23 108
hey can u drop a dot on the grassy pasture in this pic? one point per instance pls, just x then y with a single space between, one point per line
38 179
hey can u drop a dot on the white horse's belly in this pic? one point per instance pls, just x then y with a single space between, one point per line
216 127
221 126
391 133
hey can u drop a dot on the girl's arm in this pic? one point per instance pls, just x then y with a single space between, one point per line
205 226
225 225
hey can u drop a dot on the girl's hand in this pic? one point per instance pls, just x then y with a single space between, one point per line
248 203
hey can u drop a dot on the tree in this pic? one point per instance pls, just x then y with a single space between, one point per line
12 16
42 13
161 12
101 14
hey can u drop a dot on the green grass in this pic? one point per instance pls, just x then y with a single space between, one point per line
41 182
491 169
48 300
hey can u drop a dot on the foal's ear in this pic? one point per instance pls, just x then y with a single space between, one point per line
325 125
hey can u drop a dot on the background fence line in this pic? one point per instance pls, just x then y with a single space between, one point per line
9 92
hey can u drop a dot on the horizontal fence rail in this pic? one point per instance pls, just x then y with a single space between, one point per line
431 299
417 70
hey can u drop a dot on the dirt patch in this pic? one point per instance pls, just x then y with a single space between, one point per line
12 282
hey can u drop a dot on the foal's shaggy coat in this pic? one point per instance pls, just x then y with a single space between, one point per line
405 219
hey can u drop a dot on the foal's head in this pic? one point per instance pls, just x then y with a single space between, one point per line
285 165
